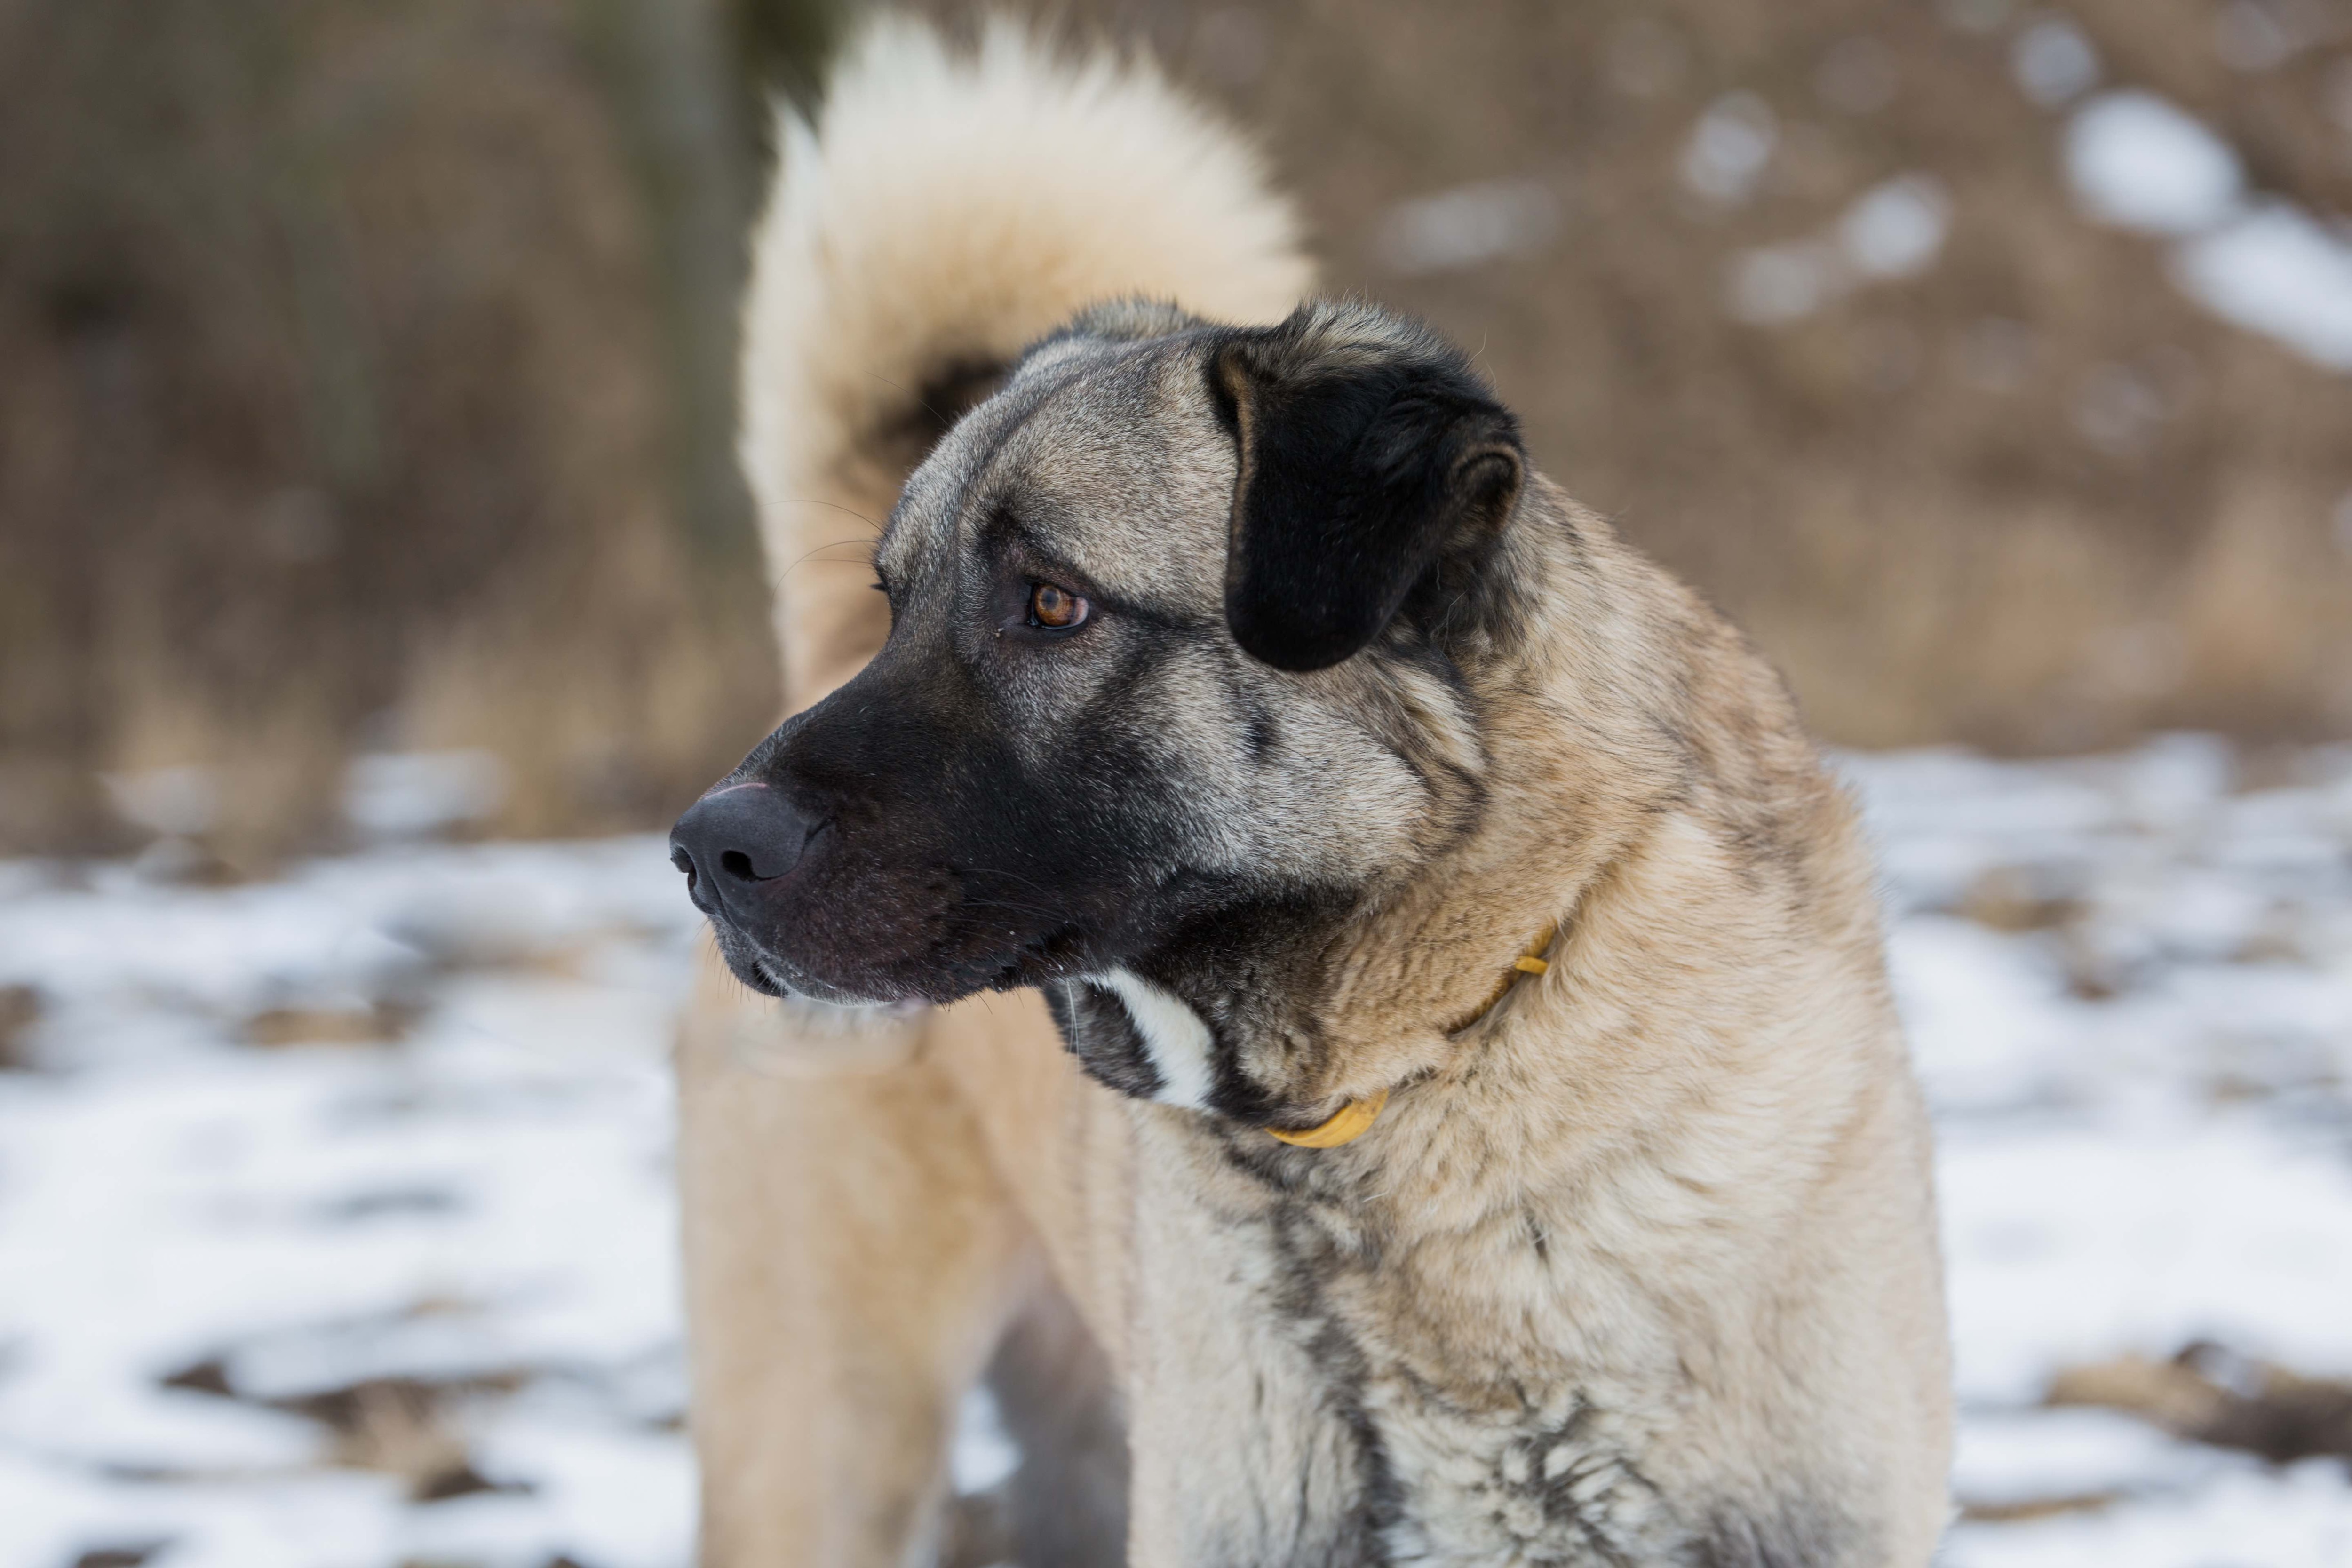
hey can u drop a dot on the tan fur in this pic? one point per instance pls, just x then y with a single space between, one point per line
1704 1109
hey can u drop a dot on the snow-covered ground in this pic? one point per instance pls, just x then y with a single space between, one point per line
2128 982
324 1198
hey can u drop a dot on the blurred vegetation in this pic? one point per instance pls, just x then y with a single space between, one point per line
365 381
365 370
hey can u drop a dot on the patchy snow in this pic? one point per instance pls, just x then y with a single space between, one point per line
2281 272
2137 161
414 794
480 1211
321 1194
1771 284
1894 229
2260 262
2278 1519
2055 61
2129 988
1467 227
1730 147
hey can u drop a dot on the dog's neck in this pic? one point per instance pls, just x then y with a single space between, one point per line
1574 760
1578 767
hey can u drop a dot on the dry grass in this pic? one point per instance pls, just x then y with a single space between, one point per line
2210 1395
381 1024
20 1009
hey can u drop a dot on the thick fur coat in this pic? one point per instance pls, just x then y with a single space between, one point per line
1238 706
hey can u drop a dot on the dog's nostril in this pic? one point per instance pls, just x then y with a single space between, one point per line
681 859
737 864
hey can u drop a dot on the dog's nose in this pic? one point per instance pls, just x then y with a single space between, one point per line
733 837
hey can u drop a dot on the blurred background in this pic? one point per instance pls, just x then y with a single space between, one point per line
365 369
376 581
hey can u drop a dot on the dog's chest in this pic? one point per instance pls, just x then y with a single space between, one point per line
1532 1488
1483 1443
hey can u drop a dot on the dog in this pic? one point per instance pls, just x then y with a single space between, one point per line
1272 926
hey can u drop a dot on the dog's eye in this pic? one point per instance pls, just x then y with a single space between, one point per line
1055 607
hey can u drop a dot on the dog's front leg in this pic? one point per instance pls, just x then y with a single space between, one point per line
1246 1454
851 1260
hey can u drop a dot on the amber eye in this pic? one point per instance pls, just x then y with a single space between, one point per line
1055 607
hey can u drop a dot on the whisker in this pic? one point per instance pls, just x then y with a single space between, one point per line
836 506
920 402
867 561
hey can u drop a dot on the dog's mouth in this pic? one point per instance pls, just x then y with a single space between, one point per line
800 949
771 974
749 879
761 975
889 898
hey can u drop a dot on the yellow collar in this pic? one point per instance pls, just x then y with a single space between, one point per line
1355 1119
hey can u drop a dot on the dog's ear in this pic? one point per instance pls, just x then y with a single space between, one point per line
1369 452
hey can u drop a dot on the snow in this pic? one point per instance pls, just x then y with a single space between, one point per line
173 800
1467 226
1729 148
486 1200
1895 229
2128 981
413 795
1771 284
2137 161
2281 272
2054 61
2299 1515
2257 261
2129 989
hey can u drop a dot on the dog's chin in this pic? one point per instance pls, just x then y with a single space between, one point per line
900 986
771 975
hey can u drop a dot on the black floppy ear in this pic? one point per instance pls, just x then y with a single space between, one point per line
1369 451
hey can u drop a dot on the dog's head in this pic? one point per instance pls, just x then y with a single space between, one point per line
1174 685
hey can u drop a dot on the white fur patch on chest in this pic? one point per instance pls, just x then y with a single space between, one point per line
1541 1489
1174 1036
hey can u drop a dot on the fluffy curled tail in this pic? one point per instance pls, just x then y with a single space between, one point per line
947 208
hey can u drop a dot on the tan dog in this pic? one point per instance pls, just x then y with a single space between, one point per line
1272 873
